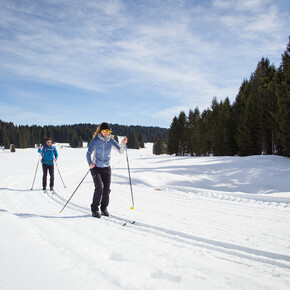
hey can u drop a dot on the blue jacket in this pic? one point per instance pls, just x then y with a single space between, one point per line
101 147
48 154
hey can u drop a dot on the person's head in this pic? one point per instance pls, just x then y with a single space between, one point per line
48 141
104 128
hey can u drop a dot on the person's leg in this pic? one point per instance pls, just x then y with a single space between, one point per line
44 177
106 179
98 188
51 173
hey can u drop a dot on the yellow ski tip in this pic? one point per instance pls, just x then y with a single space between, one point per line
60 212
132 207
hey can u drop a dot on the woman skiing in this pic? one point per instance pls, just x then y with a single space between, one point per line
100 147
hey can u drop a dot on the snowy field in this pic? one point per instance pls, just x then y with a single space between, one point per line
201 223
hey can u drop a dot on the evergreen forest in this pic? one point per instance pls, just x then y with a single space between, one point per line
258 121
29 136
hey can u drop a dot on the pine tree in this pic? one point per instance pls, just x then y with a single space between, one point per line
133 142
155 146
18 141
255 127
141 140
205 129
192 121
74 143
173 138
223 137
89 141
282 91
81 142
32 140
217 127
116 138
239 107
1 132
158 146
6 142
13 148
230 127
184 138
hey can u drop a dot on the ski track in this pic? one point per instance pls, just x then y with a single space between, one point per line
221 196
55 231
279 260
179 237
216 198
219 250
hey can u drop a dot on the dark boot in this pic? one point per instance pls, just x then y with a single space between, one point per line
105 212
96 214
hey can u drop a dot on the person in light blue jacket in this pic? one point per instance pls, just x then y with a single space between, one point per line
49 155
98 157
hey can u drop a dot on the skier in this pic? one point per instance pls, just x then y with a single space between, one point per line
49 155
100 147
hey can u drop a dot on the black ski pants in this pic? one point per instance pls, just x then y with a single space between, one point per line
49 168
102 182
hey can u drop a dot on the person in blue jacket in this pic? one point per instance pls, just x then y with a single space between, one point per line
49 155
98 157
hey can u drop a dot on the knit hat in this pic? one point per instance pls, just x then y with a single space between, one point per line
105 126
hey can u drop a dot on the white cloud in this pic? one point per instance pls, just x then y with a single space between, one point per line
184 51
241 5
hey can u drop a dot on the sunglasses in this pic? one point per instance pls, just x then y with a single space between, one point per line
107 131
48 142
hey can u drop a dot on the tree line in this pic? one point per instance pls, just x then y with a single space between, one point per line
28 136
258 121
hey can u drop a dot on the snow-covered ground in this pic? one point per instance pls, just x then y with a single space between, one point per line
201 223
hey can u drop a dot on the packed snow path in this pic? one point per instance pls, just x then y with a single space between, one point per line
201 223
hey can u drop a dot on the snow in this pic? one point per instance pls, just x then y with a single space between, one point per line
201 223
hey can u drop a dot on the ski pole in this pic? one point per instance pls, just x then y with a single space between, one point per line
74 191
59 174
35 172
130 179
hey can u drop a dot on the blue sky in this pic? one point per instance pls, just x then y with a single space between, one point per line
130 62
